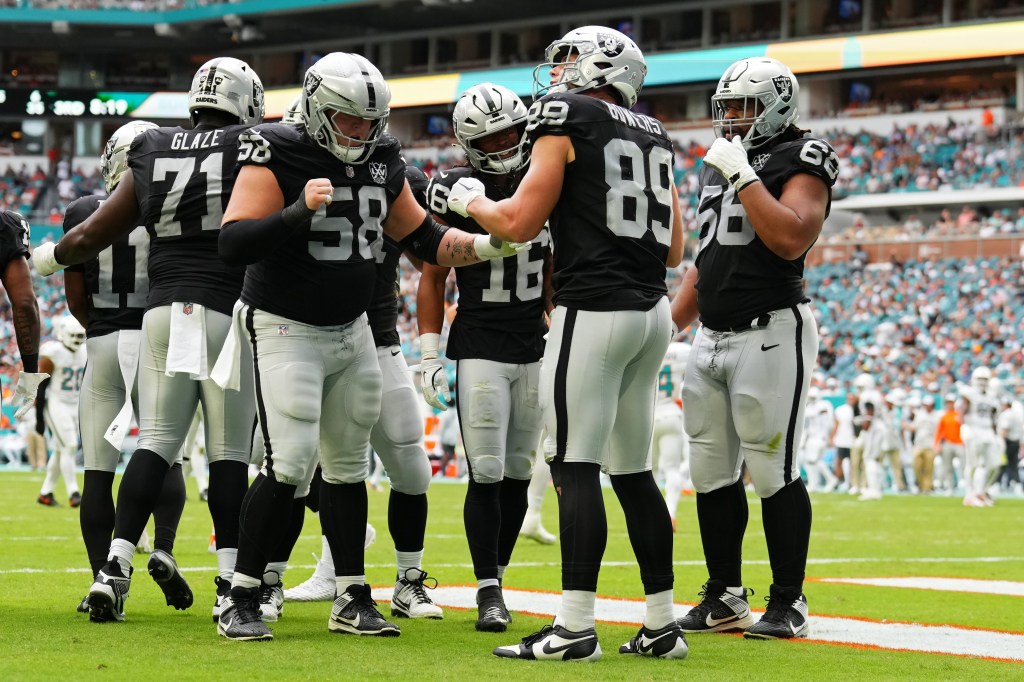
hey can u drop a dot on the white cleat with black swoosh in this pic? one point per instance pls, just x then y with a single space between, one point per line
555 643
666 642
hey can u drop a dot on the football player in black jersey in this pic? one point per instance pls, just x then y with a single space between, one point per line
108 297
179 183
604 176
496 339
397 438
16 278
310 208
765 190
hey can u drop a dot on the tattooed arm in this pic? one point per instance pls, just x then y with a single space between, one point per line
17 280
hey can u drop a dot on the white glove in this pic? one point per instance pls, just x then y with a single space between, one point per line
675 330
44 259
489 248
730 160
433 377
462 195
26 390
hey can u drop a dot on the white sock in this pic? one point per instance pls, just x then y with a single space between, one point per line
122 551
276 567
325 567
659 610
226 559
532 520
246 581
577 611
343 582
67 469
407 560
501 572
486 582
735 591
52 474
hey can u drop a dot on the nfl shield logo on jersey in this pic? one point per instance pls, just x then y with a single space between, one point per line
759 161
379 172
350 171
282 330
186 308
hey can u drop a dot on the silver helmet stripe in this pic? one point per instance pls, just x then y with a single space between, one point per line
370 91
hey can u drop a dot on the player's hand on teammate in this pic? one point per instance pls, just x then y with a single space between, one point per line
26 390
463 193
730 160
319 192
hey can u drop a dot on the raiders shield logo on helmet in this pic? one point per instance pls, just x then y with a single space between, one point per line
312 83
783 86
610 45
379 172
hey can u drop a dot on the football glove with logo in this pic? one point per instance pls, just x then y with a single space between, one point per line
433 377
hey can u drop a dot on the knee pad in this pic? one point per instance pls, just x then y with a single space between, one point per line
749 419
520 465
408 469
487 468
695 420
362 400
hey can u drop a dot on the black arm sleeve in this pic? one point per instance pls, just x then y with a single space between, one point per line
41 406
242 242
424 240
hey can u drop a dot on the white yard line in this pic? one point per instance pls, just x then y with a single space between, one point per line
1003 587
938 639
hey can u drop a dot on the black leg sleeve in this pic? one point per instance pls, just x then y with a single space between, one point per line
296 518
228 483
649 526
167 513
343 517
137 496
583 527
407 520
264 518
787 530
722 515
513 510
482 516
97 516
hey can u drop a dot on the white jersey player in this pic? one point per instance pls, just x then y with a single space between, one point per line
669 445
63 358
982 448
819 422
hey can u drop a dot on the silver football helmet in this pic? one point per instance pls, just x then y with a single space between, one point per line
229 85
769 92
349 84
293 114
981 378
604 56
114 159
70 332
486 109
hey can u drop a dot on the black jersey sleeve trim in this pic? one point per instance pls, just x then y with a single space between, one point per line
243 242
425 239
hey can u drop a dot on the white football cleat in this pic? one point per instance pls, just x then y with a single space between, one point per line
410 599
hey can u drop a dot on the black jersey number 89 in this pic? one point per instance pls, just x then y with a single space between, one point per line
640 190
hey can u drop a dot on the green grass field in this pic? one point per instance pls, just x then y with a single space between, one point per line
44 574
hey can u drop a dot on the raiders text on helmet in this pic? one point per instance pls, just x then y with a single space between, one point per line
230 85
604 56
486 109
345 83
114 160
769 92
